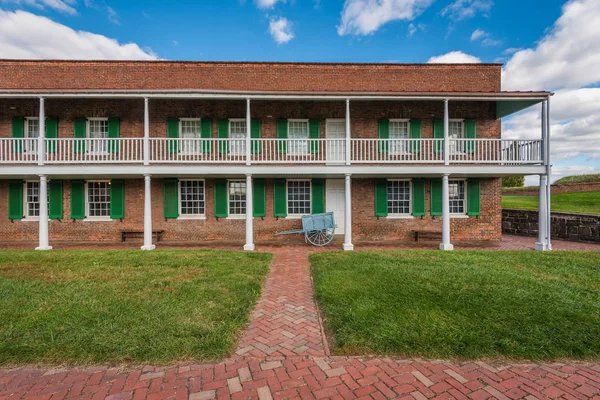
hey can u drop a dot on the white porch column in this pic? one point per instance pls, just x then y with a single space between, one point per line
542 243
348 246
446 133
43 224
348 134
146 132
42 135
445 245
248 138
147 214
548 176
249 246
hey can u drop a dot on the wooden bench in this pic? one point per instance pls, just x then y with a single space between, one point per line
427 235
132 234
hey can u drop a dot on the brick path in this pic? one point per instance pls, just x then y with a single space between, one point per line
282 355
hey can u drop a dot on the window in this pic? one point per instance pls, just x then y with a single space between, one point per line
456 193
398 197
399 130
97 128
98 199
237 198
456 130
189 128
191 195
298 135
32 131
32 199
298 197
237 130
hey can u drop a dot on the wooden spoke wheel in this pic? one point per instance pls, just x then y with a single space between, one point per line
320 237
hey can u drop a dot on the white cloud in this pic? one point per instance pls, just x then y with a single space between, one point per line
65 6
464 9
454 57
478 34
484 38
567 57
363 17
412 29
267 3
27 36
281 30
113 16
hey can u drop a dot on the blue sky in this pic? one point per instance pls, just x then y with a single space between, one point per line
550 45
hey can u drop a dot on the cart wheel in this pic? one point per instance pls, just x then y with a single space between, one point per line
321 237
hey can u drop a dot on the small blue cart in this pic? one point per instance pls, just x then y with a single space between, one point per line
318 229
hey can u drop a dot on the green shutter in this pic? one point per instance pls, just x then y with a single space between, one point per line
259 197
52 133
223 132
418 197
280 198
282 133
255 134
114 132
470 133
18 132
77 199
318 196
117 199
438 133
206 133
79 128
415 133
381 198
384 133
15 199
314 132
171 198
55 199
221 198
436 197
172 133
473 197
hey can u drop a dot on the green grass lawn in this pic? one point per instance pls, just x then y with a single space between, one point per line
125 306
578 202
461 305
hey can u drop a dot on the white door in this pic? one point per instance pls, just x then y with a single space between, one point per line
336 149
335 202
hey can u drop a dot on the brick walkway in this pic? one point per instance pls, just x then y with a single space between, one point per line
282 354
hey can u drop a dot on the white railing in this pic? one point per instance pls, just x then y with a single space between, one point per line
495 151
397 151
92 151
18 151
164 150
298 151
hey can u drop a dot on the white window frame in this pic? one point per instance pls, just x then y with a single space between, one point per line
465 213
233 145
403 146
87 135
410 203
190 216
26 203
29 147
289 143
287 200
197 146
87 202
457 148
229 214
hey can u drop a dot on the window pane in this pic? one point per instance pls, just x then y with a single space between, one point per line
192 197
298 197
456 194
398 130
398 197
298 131
98 129
237 130
237 198
98 197
32 199
190 129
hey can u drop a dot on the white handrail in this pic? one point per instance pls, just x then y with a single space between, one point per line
298 151
210 150
94 151
19 150
495 151
397 151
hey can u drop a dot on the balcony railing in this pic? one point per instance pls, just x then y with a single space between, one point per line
272 151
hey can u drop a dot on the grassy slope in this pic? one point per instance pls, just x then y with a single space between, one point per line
579 202
578 179
124 306
464 305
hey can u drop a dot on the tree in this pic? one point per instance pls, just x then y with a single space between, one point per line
513 181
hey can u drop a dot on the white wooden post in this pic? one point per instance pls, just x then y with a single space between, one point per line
146 132
348 246
249 246
43 223
446 133
445 245
348 134
548 176
542 243
248 139
147 214
42 134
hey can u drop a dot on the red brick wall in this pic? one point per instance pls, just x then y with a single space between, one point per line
249 76
365 225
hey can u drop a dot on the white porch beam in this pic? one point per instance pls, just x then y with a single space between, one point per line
445 245
348 246
249 246
348 133
146 132
41 149
248 138
148 214
446 134
43 223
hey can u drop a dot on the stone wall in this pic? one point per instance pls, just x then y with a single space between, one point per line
566 226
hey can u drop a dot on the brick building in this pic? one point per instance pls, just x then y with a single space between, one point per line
204 151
